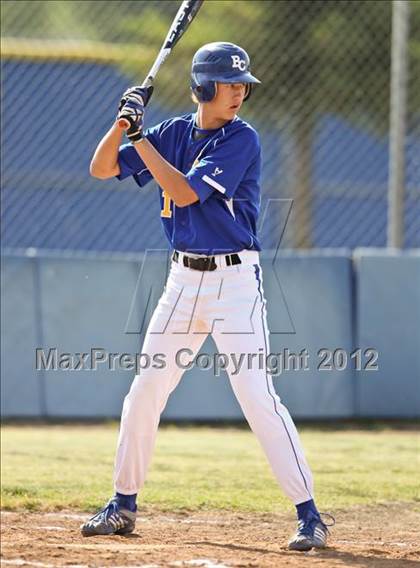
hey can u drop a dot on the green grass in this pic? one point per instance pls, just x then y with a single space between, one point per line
71 466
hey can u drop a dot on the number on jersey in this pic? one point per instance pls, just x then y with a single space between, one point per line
166 211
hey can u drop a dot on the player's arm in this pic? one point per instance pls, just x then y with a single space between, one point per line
171 180
104 163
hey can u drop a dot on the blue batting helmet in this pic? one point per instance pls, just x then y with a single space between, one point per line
220 62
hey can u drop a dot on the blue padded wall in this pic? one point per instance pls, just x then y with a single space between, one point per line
388 319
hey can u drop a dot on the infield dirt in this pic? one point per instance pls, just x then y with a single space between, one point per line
385 536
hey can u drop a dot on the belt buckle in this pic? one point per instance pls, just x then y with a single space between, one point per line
209 263
203 264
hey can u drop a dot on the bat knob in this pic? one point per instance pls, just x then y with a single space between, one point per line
123 123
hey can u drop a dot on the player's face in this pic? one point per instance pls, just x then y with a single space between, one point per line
228 99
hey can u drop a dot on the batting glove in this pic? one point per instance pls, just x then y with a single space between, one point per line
131 108
133 93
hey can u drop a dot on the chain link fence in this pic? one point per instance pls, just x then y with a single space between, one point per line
322 112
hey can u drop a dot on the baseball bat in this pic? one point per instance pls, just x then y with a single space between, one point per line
185 15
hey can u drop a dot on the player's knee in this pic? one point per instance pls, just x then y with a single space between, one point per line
148 387
255 394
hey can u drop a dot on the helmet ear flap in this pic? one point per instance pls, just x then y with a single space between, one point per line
209 91
204 92
195 87
198 92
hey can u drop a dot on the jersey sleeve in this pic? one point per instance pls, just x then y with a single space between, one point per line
130 162
223 166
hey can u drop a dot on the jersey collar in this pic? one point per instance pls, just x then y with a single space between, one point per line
199 133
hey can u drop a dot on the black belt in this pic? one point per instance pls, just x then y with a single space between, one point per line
205 263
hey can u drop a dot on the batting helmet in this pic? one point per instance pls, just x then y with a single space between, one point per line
219 62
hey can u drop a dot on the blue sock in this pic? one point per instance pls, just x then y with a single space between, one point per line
304 508
127 501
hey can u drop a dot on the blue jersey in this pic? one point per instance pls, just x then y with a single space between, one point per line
223 167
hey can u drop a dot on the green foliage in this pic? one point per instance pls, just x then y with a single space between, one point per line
218 20
62 467
14 25
414 63
313 56
332 57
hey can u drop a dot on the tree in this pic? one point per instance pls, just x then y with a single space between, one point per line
329 57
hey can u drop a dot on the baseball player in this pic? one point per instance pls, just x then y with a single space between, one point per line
207 166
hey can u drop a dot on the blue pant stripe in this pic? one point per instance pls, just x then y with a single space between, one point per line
257 275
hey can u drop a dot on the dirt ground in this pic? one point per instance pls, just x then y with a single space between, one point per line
385 537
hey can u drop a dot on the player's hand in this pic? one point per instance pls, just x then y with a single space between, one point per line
131 109
135 95
134 115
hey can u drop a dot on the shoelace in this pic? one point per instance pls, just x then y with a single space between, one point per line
306 526
330 517
109 509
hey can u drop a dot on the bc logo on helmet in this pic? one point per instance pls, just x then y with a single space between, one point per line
238 63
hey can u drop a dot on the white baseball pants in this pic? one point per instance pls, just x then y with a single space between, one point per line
228 303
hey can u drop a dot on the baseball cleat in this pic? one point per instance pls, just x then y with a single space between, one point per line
112 519
312 532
